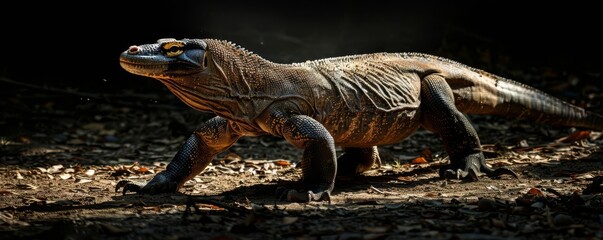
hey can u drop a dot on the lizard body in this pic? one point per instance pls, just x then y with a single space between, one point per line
358 102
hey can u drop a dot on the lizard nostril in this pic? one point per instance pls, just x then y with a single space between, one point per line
133 49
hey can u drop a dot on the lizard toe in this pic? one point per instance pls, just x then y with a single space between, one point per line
128 186
471 167
159 184
320 192
470 174
467 168
309 196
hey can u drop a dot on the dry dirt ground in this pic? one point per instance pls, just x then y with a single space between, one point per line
60 160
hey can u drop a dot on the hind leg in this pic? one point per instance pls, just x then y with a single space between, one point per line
357 160
460 139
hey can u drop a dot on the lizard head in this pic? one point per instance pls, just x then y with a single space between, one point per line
190 68
167 59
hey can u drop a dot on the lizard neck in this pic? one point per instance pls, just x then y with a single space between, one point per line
238 85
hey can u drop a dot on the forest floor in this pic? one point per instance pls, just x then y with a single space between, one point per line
60 161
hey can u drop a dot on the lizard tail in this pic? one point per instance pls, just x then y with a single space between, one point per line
523 101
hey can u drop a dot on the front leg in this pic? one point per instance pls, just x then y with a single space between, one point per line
319 163
211 138
440 115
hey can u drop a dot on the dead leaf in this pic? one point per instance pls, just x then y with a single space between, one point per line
54 168
39 151
31 199
282 163
431 194
206 206
535 192
26 186
142 170
407 178
82 180
65 176
159 164
502 162
5 193
121 172
576 136
89 172
419 160
152 208
77 168
231 158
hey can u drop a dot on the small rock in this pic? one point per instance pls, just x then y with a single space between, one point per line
562 220
485 204
537 205
60 138
111 138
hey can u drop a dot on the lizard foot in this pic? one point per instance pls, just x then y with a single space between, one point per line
474 166
159 184
292 195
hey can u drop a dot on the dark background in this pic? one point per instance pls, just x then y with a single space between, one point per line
76 45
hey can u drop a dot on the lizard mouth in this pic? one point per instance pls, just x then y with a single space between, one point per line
156 65
143 68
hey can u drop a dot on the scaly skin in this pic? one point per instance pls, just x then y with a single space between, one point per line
358 102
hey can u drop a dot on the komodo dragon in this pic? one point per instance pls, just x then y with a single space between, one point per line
358 102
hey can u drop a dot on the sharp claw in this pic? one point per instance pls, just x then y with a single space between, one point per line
473 166
320 196
304 197
460 174
451 174
473 174
128 186
502 171
120 184
131 188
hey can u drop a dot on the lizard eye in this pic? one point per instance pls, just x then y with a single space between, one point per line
172 49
